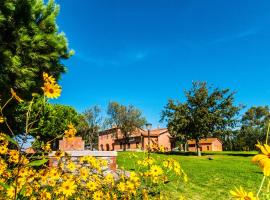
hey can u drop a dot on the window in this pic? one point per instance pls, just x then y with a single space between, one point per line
128 145
208 148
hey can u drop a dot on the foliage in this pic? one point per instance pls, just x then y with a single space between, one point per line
30 43
49 120
254 124
90 125
126 118
206 112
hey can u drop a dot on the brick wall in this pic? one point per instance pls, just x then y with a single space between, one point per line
164 140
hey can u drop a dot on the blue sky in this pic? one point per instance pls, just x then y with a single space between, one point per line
144 52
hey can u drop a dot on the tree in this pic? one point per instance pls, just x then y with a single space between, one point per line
254 126
48 121
125 118
206 112
30 44
90 125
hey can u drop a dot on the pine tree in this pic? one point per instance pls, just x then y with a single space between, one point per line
30 43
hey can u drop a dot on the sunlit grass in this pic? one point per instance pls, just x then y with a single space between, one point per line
208 179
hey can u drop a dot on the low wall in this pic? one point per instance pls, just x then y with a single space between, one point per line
110 156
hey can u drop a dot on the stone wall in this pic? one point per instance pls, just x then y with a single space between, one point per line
74 147
110 156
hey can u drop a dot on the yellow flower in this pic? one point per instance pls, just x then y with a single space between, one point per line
109 180
3 149
51 182
185 178
156 170
84 172
241 194
11 192
14 95
91 185
145 194
54 173
24 172
98 195
2 119
13 156
48 78
130 187
146 162
263 159
3 137
71 166
44 195
133 177
68 188
46 147
165 163
121 187
28 191
71 132
58 154
51 88
162 149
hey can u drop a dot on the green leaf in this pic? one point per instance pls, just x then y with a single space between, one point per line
37 162
4 185
11 140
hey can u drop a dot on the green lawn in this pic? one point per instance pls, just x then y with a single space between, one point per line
208 179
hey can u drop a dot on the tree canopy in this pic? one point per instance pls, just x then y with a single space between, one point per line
126 118
207 112
30 44
48 121
254 127
89 126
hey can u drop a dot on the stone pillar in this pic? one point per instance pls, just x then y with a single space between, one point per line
71 144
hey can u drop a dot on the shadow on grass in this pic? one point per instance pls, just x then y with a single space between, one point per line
243 154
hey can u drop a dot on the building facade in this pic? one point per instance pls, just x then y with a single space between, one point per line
207 144
112 139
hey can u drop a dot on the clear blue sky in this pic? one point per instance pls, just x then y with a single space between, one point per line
143 52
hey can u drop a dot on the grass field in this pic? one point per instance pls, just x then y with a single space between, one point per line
208 179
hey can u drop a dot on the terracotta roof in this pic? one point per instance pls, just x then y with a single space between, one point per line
137 132
204 141
155 132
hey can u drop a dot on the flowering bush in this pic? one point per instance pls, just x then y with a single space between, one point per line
27 176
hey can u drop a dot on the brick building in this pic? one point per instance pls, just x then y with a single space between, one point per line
207 144
112 139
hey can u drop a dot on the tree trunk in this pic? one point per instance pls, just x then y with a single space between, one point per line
125 143
124 148
186 147
198 148
181 147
